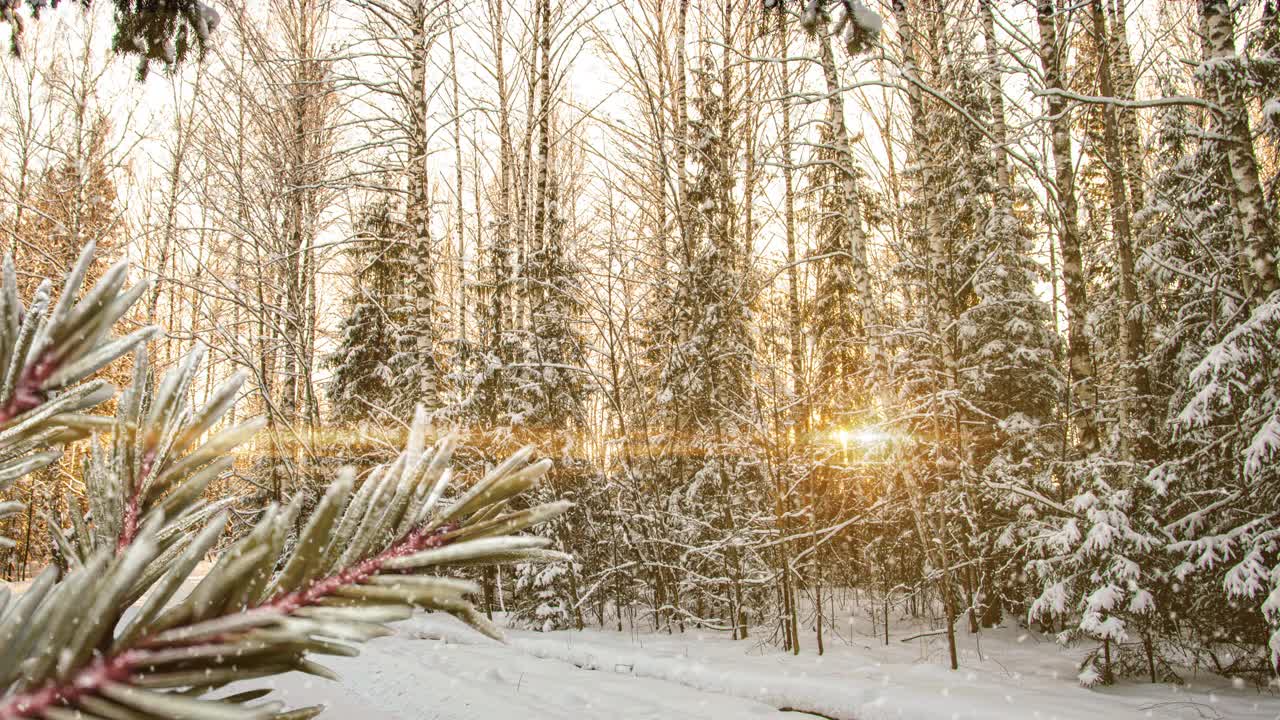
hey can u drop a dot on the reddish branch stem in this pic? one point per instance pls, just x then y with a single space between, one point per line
123 666
26 391
27 396
416 541
98 673
132 508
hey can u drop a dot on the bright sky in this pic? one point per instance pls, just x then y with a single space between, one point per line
141 112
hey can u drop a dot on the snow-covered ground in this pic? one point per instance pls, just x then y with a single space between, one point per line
434 668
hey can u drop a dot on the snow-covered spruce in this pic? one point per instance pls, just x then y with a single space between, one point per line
857 25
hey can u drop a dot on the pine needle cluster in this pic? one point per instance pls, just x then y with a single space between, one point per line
125 632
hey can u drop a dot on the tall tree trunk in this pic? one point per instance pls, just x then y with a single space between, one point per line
1079 358
538 250
527 196
682 134
460 272
1250 201
418 209
1124 77
854 241
794 329
995 100
932 536
1132 329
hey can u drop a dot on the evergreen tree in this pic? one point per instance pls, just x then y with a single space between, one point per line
161 31
1214 351
942 253
526 381
704 385
1010 378
841 357
548 407
373 356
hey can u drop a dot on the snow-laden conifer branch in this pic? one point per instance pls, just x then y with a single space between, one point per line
45 354
117 637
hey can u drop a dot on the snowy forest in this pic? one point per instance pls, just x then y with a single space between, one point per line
938 329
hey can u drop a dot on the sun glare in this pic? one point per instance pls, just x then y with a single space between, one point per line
871 436
866 438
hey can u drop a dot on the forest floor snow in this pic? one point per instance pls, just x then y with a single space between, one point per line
435 668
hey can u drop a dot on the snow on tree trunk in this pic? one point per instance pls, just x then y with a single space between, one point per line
1133 332
1079 359
418 206
1223 69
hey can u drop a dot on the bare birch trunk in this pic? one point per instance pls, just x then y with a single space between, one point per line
418 206
932 540
460 273
1250 200
1133 331
500 307
1079 359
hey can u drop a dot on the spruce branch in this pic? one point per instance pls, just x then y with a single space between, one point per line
364 558
46 354
116 637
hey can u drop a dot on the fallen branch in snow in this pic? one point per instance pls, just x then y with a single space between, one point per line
805 712
931 633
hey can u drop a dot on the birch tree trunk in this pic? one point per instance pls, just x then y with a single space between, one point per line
1250 201
930 534
418 204
855 239
533 285
1079 359
794 321
1133 331
500 306
1124 77
460 272
682 133
995 98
